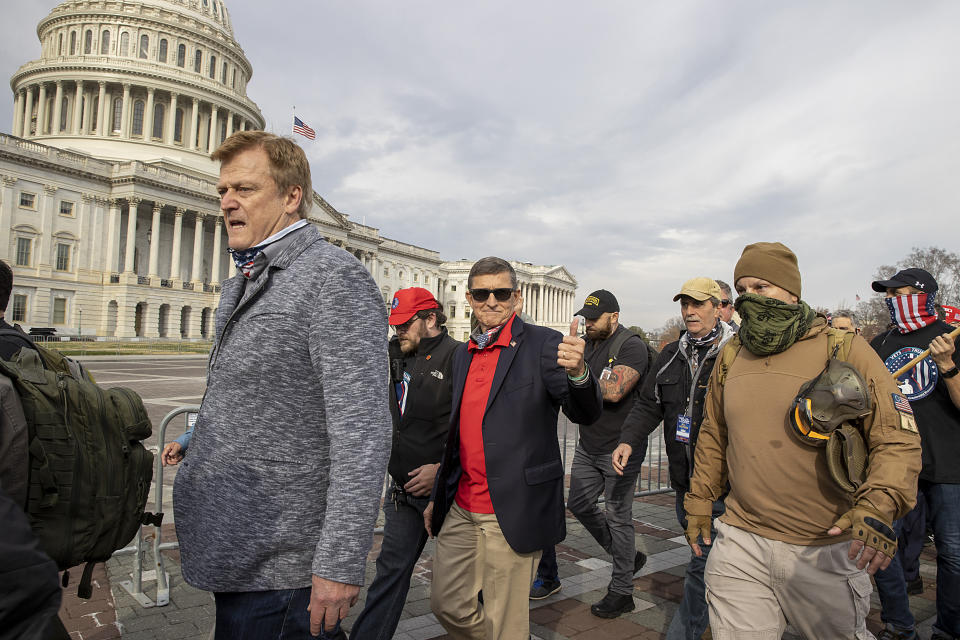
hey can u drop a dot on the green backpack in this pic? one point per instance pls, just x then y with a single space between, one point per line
89 473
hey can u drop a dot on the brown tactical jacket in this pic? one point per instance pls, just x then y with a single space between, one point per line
780 488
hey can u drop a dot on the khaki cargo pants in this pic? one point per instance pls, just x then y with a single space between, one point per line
756 585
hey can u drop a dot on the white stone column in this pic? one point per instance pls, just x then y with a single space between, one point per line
194 123
86 126
212 133
77 108
6 217
57 108
128 264
539 318
171 120
243 124
155 241
88 224
125 113
18 114
148 116
47 213
229 124
215 262
28 114
175 251
196 275
102 125
113 238
42 109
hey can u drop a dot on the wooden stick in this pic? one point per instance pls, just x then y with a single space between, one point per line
910 365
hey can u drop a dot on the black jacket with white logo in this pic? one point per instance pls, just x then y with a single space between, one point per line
420 434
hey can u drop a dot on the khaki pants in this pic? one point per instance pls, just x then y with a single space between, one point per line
471 555
754 585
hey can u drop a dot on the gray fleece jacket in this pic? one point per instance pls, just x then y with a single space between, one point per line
285 468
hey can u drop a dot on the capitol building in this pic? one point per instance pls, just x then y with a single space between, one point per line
108 211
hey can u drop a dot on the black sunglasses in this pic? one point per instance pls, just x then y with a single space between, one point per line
403 328
481 295
725 303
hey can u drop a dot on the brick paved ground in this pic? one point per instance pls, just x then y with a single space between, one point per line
584 567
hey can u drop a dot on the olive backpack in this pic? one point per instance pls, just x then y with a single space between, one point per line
89 474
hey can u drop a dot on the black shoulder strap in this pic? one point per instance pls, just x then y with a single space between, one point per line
16 333
618 340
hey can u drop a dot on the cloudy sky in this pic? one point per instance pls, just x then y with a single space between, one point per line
637 143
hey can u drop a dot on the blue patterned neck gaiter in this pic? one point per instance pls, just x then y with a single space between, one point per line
244 258
485 338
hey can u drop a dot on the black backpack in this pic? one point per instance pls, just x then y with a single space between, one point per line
89 473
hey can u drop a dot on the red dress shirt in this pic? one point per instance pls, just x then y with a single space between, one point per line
473 494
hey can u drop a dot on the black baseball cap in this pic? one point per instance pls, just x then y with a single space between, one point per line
597 303
913 277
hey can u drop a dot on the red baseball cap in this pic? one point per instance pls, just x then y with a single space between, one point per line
406 302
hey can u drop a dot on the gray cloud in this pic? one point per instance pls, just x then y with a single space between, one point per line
639 144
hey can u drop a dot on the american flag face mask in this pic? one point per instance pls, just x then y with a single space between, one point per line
244 258
911 312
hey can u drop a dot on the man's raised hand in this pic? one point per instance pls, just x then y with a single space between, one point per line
570 351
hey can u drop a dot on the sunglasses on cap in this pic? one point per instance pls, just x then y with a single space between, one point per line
482 295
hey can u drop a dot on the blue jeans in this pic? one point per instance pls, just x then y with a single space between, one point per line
403 540
943 505
892 589
692 617
261 615
613 529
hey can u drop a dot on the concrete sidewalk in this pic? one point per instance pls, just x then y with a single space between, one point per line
584 570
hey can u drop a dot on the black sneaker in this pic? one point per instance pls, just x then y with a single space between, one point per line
639 560
544 588
612 605
915 587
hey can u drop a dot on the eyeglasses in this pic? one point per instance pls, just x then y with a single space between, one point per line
403 328
725 303
482 295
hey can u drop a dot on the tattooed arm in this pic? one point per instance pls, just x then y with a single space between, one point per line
621 382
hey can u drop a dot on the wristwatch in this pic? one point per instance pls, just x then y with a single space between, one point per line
949 373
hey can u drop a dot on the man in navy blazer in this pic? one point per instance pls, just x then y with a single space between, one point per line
498 497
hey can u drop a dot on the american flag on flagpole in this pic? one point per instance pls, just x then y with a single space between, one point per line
299 126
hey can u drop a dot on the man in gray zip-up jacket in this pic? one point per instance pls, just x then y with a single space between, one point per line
276 503
674 395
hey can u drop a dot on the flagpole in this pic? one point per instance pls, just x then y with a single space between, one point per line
294 119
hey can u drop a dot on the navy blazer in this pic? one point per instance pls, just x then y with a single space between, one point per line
524 468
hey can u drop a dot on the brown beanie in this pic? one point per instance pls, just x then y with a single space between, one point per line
770 261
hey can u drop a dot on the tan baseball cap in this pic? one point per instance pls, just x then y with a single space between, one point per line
700 289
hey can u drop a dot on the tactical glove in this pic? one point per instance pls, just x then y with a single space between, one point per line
870 527
699 513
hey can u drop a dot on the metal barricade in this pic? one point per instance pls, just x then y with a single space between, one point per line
653 477
134 586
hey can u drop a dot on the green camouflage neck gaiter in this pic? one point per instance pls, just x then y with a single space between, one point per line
770 326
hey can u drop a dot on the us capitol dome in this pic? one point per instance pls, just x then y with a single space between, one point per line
136 80
109 214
